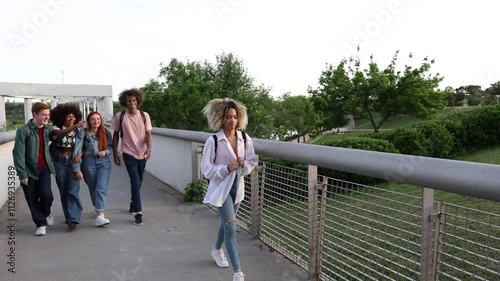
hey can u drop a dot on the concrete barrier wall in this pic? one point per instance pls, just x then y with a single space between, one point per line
6 179
173 161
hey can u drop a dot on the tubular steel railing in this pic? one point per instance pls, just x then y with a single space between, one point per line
363 232
340 230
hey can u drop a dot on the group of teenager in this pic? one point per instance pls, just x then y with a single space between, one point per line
80 150
83 150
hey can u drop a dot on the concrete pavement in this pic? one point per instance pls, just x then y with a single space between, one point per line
173 244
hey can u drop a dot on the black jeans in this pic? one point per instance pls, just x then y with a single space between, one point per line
38 194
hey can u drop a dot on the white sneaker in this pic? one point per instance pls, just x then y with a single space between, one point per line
50 220
41 231
101 220
219 258
239 276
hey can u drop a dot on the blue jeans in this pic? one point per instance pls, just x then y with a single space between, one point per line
39 196
69 189
96 173
135 169
227 231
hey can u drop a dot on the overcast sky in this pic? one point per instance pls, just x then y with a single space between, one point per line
285 45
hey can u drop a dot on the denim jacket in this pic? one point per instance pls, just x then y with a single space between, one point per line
88 144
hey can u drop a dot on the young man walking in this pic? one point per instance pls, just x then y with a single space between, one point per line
34 165
134 128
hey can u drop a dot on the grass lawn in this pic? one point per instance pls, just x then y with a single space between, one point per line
363 125
487 156
329 137
392 123
380 227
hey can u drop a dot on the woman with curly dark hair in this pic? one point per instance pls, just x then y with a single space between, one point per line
67 118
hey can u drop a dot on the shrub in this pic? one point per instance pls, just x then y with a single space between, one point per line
363 143
194 192
281 162
481 126
428 138
459 134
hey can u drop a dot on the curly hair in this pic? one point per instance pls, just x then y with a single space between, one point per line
134 92
216 110
59 113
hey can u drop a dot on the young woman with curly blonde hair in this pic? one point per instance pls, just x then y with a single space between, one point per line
227 158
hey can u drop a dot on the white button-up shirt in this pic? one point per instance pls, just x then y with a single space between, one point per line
221 180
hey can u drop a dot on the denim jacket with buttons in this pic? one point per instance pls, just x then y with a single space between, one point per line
87 143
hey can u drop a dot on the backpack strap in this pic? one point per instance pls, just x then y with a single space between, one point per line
143 117
28 130
122 114
215 147
244 135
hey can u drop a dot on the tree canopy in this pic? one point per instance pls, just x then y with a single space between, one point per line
347 88
176 99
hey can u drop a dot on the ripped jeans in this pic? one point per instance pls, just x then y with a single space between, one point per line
227 231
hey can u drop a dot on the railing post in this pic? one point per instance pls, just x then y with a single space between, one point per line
256 203
312 177
322 215
426 250
196 160
438 238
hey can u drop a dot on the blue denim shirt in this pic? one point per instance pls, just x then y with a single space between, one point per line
88 144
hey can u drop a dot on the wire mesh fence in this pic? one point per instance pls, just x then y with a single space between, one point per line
469 244
368 233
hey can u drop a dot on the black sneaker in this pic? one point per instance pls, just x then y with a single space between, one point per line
138 219
130 210
72 225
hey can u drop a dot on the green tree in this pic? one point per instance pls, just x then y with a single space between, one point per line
494 89
187 94
459 97
492 94
451 96
388 91
176 98
14 115
332 98
260 105
155 103
295 116
230 79
472 93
